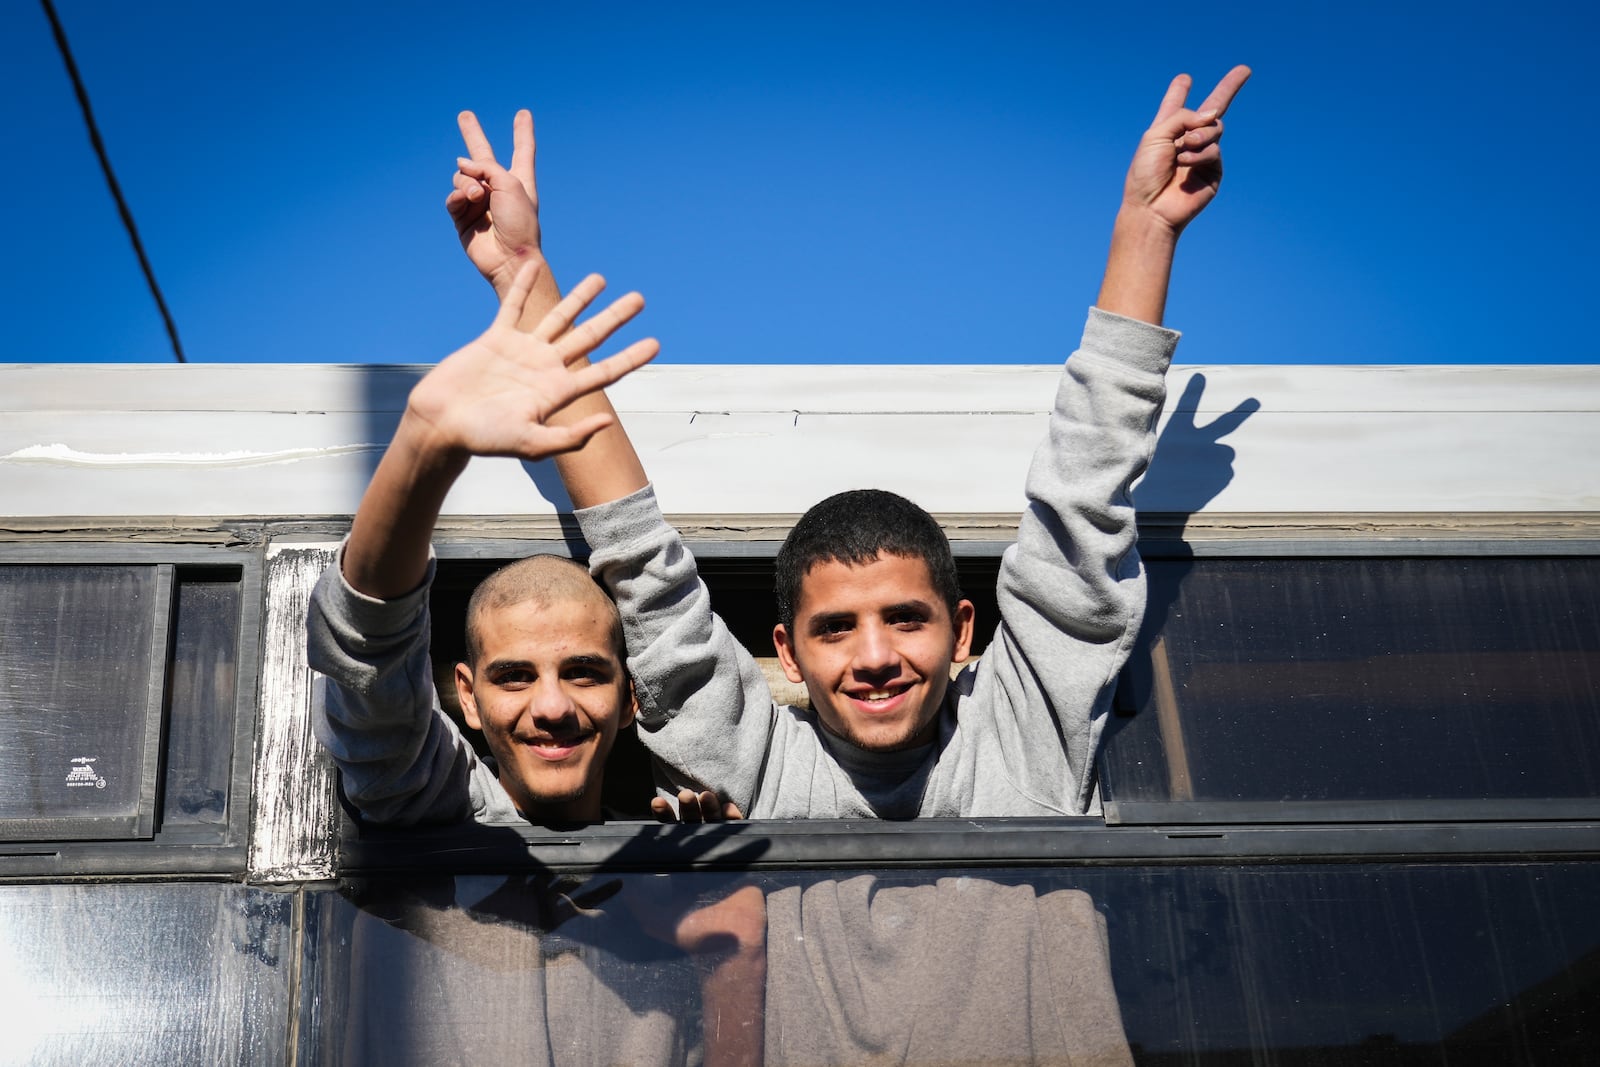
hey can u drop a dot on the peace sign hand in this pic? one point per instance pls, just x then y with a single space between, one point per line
496 210
1178 165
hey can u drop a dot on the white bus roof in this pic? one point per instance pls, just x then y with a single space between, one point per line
301 440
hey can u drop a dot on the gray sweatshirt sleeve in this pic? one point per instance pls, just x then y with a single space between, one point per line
400 758
704 706
1071 590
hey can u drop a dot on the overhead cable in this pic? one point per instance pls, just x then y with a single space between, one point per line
111 179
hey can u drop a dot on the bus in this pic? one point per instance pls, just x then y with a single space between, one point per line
1350 789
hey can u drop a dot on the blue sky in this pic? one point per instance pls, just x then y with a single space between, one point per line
827 183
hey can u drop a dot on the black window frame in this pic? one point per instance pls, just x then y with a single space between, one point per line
84 846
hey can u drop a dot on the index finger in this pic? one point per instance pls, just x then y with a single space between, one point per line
472 135
1223 94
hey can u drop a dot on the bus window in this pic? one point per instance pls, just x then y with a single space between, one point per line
1283 683
80 698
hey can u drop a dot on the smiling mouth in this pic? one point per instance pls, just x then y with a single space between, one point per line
554 749
879 700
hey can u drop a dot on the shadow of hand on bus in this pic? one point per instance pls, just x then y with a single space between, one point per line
631 951
519 891
1191 465
547 483
1190 468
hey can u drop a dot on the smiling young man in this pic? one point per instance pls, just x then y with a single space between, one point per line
544 677
544 681
871 618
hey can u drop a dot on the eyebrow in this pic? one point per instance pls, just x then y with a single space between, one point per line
582 659
589 659
813 622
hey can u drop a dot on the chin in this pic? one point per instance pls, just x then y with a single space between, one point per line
559 795
883 738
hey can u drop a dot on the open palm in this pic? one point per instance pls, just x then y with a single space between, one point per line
495 396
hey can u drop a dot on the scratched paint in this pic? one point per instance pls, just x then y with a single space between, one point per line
296 808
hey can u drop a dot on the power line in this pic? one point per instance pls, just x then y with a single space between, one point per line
111 179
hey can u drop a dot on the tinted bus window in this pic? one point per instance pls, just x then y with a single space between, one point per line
1363 679
1197 965
77 712
202 695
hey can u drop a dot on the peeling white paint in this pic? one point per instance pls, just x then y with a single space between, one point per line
294 831
66 455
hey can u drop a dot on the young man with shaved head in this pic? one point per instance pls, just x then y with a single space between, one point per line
545 677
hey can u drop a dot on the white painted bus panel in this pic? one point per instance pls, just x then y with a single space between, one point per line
284 441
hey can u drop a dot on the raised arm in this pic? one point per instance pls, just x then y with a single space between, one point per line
1071 590
498 396
1174 175
496 212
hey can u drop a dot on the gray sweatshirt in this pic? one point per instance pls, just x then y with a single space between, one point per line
1019 730
401 760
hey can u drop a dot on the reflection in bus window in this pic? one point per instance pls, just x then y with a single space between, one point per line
1202 965
137 974
534 969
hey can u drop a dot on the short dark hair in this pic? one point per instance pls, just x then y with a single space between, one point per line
545 578
856 527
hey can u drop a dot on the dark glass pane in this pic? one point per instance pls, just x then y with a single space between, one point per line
75 671
202 687
1336 964
159 974
1364 679
526 969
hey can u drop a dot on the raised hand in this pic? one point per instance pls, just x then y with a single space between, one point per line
495 396
496 211
1178 165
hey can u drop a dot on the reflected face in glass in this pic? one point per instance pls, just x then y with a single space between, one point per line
873 645
549 692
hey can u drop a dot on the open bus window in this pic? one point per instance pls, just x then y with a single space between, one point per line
94 657
742 593
1397 688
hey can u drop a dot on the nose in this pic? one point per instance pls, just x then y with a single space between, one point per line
550 701
875 651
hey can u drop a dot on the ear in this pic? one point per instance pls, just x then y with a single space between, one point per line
786 658
469 705
962 624
630 711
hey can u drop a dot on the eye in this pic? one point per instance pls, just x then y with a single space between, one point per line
832 626
515 678
589 671
907 619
